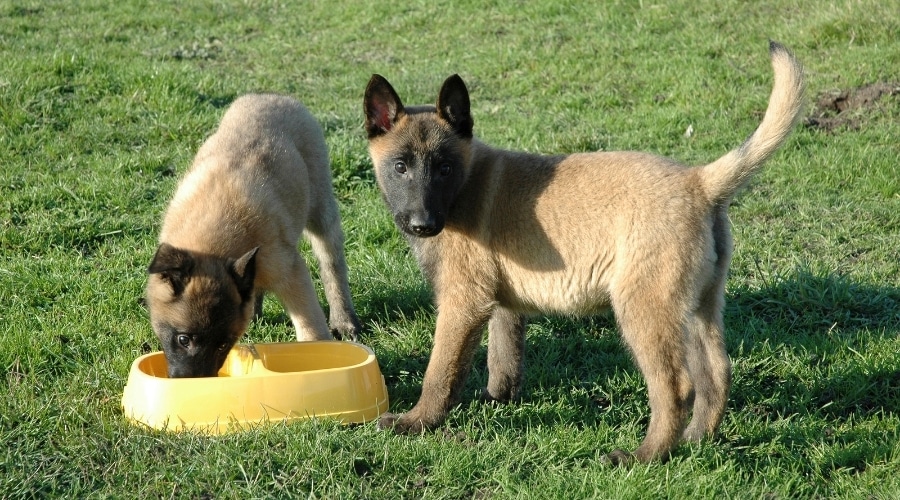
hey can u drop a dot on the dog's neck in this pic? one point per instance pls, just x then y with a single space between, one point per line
486 165
483 167
485 156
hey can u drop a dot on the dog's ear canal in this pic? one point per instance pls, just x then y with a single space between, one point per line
243 270
173 265
382 106
453 106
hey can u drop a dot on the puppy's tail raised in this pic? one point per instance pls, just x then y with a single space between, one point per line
723 177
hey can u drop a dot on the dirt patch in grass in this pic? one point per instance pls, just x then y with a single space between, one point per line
849 108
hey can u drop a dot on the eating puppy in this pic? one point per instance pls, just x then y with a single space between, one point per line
259 183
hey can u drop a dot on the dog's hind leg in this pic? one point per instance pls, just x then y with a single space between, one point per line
327 241
505 358
651 321
710 371
706 355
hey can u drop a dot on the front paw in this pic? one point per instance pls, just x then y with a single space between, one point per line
400 424
501 397
618 458
346 330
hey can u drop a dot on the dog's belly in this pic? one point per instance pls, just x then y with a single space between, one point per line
574 290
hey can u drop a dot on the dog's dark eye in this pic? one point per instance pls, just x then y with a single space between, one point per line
445 169
222 346
184 340
400 167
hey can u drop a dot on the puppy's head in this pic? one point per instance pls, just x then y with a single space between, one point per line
421 154
199 306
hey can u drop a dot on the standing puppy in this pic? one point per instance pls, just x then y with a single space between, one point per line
502 235
232 230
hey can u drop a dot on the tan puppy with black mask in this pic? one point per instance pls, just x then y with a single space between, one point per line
503 235
231 232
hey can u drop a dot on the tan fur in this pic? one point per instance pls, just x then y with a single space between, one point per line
573 235
262 180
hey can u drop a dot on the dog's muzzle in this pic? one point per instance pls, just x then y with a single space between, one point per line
422 226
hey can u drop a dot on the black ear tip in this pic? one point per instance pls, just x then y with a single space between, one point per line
167 258
455 79
377 80
454 84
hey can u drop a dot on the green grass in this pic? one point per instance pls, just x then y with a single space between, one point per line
103 104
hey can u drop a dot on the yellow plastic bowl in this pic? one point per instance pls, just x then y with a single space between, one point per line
260 383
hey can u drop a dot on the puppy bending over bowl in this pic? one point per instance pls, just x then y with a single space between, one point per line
231 231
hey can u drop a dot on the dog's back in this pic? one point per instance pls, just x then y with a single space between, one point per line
561 237
253 179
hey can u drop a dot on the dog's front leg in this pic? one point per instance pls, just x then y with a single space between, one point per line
327 241
298 295
457 335
505 358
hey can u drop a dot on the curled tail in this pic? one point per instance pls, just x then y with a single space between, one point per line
723 177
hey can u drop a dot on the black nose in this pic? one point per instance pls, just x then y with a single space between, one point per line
424 225
191 369
422 229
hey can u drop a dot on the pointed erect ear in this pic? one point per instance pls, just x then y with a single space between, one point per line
453 106
243 270
382 106
173 265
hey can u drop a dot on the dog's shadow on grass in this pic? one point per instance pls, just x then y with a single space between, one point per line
386 306
814 320
822 347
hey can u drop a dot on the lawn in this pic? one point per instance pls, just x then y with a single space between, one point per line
103 104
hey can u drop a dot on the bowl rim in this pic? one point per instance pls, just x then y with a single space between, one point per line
136 370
